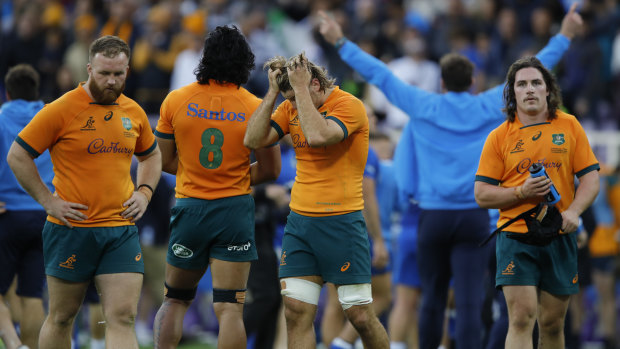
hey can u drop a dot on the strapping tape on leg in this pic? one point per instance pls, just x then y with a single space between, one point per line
180 294
356 294
302 290
228 296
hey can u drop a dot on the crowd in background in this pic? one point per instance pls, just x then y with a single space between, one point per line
166 39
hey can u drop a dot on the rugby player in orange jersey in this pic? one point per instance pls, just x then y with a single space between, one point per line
537 278
200 133
92 133
325 238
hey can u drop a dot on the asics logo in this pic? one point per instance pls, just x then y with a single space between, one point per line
536 136
345 266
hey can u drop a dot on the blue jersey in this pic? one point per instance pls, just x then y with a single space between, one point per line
14 116
287 173
371 170
447 130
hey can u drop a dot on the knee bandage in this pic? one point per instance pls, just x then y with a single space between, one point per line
228 296
357 294
180 294
300 289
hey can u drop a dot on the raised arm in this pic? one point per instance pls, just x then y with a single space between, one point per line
551 54
373 70
259 132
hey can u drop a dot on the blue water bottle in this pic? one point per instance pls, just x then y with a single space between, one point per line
537 170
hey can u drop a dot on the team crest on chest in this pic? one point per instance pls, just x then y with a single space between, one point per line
126 123
558 138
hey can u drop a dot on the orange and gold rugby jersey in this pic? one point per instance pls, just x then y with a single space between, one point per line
329 179
91 146
560 145
208 123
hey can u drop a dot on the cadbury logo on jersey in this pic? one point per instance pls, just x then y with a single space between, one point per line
524 165
194 110
99 146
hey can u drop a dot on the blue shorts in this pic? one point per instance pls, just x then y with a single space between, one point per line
79 253
21 252
406 261
333 247
603 264
202 229
406 251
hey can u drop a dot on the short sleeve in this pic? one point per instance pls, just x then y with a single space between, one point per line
145 143
43 130
350 114
164 124
584 159
281 118
491 165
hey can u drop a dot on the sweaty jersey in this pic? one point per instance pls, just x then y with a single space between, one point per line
208 123
329 179
560 145
91 146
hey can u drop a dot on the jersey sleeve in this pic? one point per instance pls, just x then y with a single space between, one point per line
43 130
491 165
584 159
280 119
350 114
145 143
164 124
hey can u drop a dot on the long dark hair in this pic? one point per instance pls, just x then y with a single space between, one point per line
226 57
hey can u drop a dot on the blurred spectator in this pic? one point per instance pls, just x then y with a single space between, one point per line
413 68
25 42
193 33
76 56
154 56
120 21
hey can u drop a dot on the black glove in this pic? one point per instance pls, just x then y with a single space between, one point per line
543 225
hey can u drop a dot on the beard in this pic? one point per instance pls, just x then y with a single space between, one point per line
105 95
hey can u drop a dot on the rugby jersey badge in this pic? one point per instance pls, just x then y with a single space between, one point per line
126 123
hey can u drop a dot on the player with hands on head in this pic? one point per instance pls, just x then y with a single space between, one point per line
325 239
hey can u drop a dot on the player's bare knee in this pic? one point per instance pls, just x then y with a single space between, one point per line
121 314
552 326
63 317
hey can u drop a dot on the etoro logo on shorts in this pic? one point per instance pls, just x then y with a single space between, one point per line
242 247
182 251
